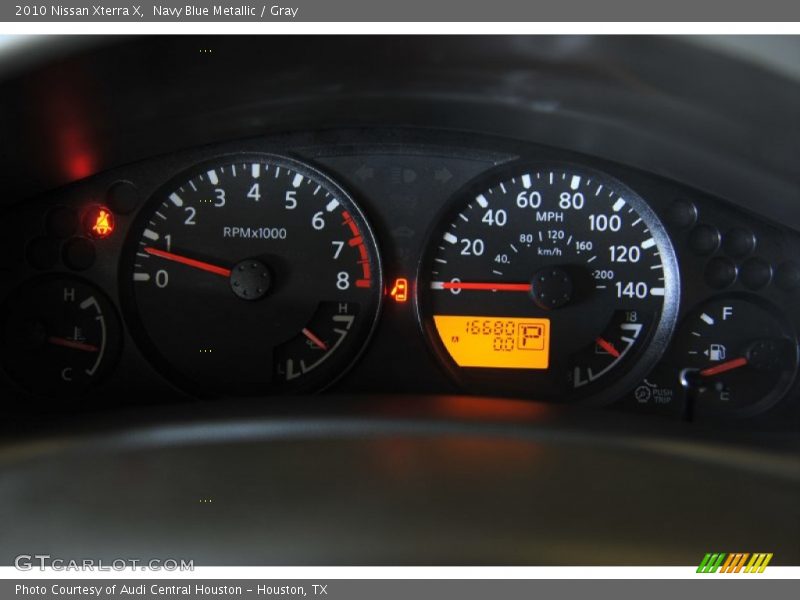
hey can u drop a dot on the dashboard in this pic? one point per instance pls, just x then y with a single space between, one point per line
400 300
389 261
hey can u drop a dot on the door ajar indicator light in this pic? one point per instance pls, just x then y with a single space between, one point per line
99 222
399 291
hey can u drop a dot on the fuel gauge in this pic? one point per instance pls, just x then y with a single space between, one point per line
739 357
60 336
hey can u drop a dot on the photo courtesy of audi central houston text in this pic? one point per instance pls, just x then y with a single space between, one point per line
373 300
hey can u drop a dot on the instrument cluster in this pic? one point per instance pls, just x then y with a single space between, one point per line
398 262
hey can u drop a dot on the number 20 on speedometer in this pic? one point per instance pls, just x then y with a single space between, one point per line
552 282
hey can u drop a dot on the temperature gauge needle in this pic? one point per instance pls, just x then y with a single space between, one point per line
724 367
315 340
72 344
608 347
190 262
498 286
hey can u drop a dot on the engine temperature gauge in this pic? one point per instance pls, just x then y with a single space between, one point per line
739 358
60 336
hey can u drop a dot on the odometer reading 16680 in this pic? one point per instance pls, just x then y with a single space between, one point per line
500 343
550 282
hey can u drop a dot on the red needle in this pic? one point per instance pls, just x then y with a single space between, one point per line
724 367
500 287
608 347
64 342
315 340
184 260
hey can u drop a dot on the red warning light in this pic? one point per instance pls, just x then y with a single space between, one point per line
99 222
400 290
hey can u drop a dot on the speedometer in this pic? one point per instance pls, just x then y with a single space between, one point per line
252 274
556 282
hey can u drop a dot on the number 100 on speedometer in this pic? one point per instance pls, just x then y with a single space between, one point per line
569 253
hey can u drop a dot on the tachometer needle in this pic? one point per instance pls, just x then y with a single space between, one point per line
72 344
190 262
498 286
608 347
724 367
315 340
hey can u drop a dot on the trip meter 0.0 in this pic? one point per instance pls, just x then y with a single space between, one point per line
552 282
252 274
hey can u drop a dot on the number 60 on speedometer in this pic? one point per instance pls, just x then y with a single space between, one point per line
567 253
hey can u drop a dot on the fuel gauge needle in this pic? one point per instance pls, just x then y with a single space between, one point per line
72 344
189 262
724 367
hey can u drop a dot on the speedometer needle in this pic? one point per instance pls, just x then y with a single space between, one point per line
724 367
500 287
190 262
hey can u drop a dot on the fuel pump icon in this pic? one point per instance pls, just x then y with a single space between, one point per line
715 352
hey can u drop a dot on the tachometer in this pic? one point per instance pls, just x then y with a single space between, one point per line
252 274
555 283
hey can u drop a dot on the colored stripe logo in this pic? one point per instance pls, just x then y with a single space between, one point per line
736 562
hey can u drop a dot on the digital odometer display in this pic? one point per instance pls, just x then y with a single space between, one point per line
252 274
501 343
570 274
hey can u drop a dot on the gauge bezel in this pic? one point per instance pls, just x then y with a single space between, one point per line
115 338
778 394
138 331
597 393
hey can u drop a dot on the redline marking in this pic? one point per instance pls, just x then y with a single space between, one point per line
358 241
348 220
